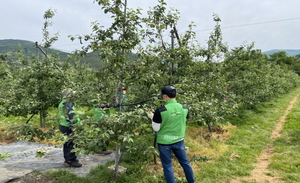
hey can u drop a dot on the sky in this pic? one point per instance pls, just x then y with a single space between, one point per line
269 24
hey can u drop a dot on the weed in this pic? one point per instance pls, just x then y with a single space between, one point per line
4 156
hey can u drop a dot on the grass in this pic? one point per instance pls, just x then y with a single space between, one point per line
218 157
4 137
4 156
286 160
252 135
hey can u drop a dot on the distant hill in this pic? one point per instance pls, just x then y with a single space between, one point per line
290 53
29 47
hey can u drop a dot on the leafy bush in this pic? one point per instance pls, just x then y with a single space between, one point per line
29 132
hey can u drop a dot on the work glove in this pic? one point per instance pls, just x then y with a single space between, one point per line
150 114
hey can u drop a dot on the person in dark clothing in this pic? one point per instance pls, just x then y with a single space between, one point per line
67 118
169 121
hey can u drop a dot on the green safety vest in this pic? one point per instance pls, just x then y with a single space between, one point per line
63 114
173 124
98 112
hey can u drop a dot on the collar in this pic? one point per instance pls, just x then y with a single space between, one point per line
65 100
171 101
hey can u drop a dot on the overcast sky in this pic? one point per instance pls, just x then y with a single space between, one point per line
270 24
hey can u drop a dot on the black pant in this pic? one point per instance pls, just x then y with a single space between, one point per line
68 146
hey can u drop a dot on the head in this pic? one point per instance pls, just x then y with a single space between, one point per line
168 92
67 93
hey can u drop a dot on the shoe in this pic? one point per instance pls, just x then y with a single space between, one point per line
74 160
73 163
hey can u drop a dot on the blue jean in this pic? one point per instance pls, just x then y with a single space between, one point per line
178 149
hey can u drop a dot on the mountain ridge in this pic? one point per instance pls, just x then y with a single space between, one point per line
289 52
29 47
8 45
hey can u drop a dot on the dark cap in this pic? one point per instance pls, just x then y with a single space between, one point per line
169 90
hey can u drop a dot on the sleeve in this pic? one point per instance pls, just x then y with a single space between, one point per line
157 116
156 121
188 115
155 126
70 113
188 112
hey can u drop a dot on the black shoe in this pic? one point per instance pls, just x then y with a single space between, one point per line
73 163
74 160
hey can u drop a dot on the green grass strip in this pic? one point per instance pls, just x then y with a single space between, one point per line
286 158
247 141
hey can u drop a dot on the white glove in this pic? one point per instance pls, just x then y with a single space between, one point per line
150 115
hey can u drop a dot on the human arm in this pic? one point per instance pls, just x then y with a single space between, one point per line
156 119
110 105
155 126
70 113
188 111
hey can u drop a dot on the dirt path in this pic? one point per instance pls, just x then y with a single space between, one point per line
23 160
258 174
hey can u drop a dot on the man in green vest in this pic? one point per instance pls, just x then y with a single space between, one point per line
101 112
169 121
67 118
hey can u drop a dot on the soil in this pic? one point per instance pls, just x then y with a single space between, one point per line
261 172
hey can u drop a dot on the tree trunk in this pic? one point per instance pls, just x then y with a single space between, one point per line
210 127
117 160
42 118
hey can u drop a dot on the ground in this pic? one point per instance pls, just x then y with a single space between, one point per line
24 160
33 177
258 174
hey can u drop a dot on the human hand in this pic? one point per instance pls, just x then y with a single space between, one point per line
150 114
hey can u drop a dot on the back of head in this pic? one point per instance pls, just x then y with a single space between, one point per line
170 91
66 93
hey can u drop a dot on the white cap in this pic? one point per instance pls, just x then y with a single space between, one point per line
67 93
